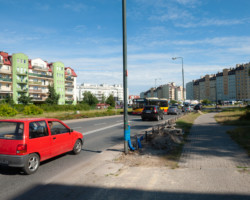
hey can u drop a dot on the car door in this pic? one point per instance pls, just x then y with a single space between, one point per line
39 139
61 138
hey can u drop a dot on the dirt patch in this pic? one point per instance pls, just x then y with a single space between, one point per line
162 149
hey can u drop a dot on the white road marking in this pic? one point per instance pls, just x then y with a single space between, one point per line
101 129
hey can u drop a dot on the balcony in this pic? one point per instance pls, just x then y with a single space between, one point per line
5 71
35 91
39 98
69 99
22 73
5 80
39 68
35 83
5 90
19 81
22 89
69 85
69 79
40 75
69 92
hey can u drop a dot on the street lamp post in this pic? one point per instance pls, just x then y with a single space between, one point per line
174 58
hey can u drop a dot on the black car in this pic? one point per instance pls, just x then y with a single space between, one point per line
152 113
198 107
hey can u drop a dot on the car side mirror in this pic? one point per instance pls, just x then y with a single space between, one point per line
71 130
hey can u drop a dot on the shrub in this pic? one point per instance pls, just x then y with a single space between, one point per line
32 110
6 110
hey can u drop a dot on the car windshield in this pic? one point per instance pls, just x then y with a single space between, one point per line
11 130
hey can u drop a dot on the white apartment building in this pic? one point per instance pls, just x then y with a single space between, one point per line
100 90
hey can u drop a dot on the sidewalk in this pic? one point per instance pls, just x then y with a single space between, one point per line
212 167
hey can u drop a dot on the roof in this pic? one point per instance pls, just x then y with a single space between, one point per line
29 119
72 71
6 60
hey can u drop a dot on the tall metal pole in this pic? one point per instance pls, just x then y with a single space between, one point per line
182 80
125 75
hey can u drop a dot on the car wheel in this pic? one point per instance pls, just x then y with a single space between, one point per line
32 164
77 147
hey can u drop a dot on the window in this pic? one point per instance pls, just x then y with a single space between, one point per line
24 61
38 129
11 130
57 128
18 60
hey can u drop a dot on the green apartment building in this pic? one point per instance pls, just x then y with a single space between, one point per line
20 75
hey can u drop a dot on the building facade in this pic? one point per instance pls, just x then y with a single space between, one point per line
100 91
229 85
20 75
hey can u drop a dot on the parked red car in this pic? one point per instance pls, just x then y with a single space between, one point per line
26 142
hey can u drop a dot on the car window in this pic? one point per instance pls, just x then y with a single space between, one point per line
149 108
11 130
57 128
38 129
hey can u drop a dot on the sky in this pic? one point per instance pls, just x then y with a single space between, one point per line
86 35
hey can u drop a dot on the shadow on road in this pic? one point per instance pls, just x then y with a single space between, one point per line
63 192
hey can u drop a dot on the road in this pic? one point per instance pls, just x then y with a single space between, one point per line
99 134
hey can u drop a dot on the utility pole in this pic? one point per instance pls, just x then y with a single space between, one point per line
125 75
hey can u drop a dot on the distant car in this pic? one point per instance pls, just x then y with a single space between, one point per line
25 143
187 108
173 110
198 107
152 113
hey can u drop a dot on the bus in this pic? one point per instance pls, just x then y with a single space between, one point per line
138 104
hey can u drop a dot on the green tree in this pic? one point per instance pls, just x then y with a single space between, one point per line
111 101
9 100
206 101
173 102
25 100
53 96
103 99
89 98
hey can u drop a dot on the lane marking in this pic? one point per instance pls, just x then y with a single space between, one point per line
101 129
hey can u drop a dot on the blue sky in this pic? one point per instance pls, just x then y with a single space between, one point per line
87 35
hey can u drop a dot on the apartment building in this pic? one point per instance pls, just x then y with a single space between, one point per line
168 91
229 85
20 75
100 90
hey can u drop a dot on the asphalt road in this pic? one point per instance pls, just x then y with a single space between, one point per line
99 134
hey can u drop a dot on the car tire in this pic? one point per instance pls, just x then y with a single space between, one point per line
77 147
32 164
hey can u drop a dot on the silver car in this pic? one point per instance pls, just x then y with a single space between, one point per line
173 110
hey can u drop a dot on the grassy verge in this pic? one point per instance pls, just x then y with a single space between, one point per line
185 123
238 117
65 115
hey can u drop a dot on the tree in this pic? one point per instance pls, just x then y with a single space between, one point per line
111 101
173 102
9 100
206 101
53 96
89 98
25 100
103 98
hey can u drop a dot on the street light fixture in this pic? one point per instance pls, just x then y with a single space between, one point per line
174 58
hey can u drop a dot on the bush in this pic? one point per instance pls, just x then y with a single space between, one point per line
53 108
32 110
7 111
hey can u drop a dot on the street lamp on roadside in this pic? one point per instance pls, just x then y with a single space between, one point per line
174 58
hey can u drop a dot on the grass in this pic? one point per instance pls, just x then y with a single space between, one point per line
185 123
65 115
240 118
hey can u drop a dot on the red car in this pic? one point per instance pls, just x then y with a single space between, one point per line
26 142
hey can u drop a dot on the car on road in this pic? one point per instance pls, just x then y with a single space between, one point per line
152 113
24 143
173 110
187 108
198 107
